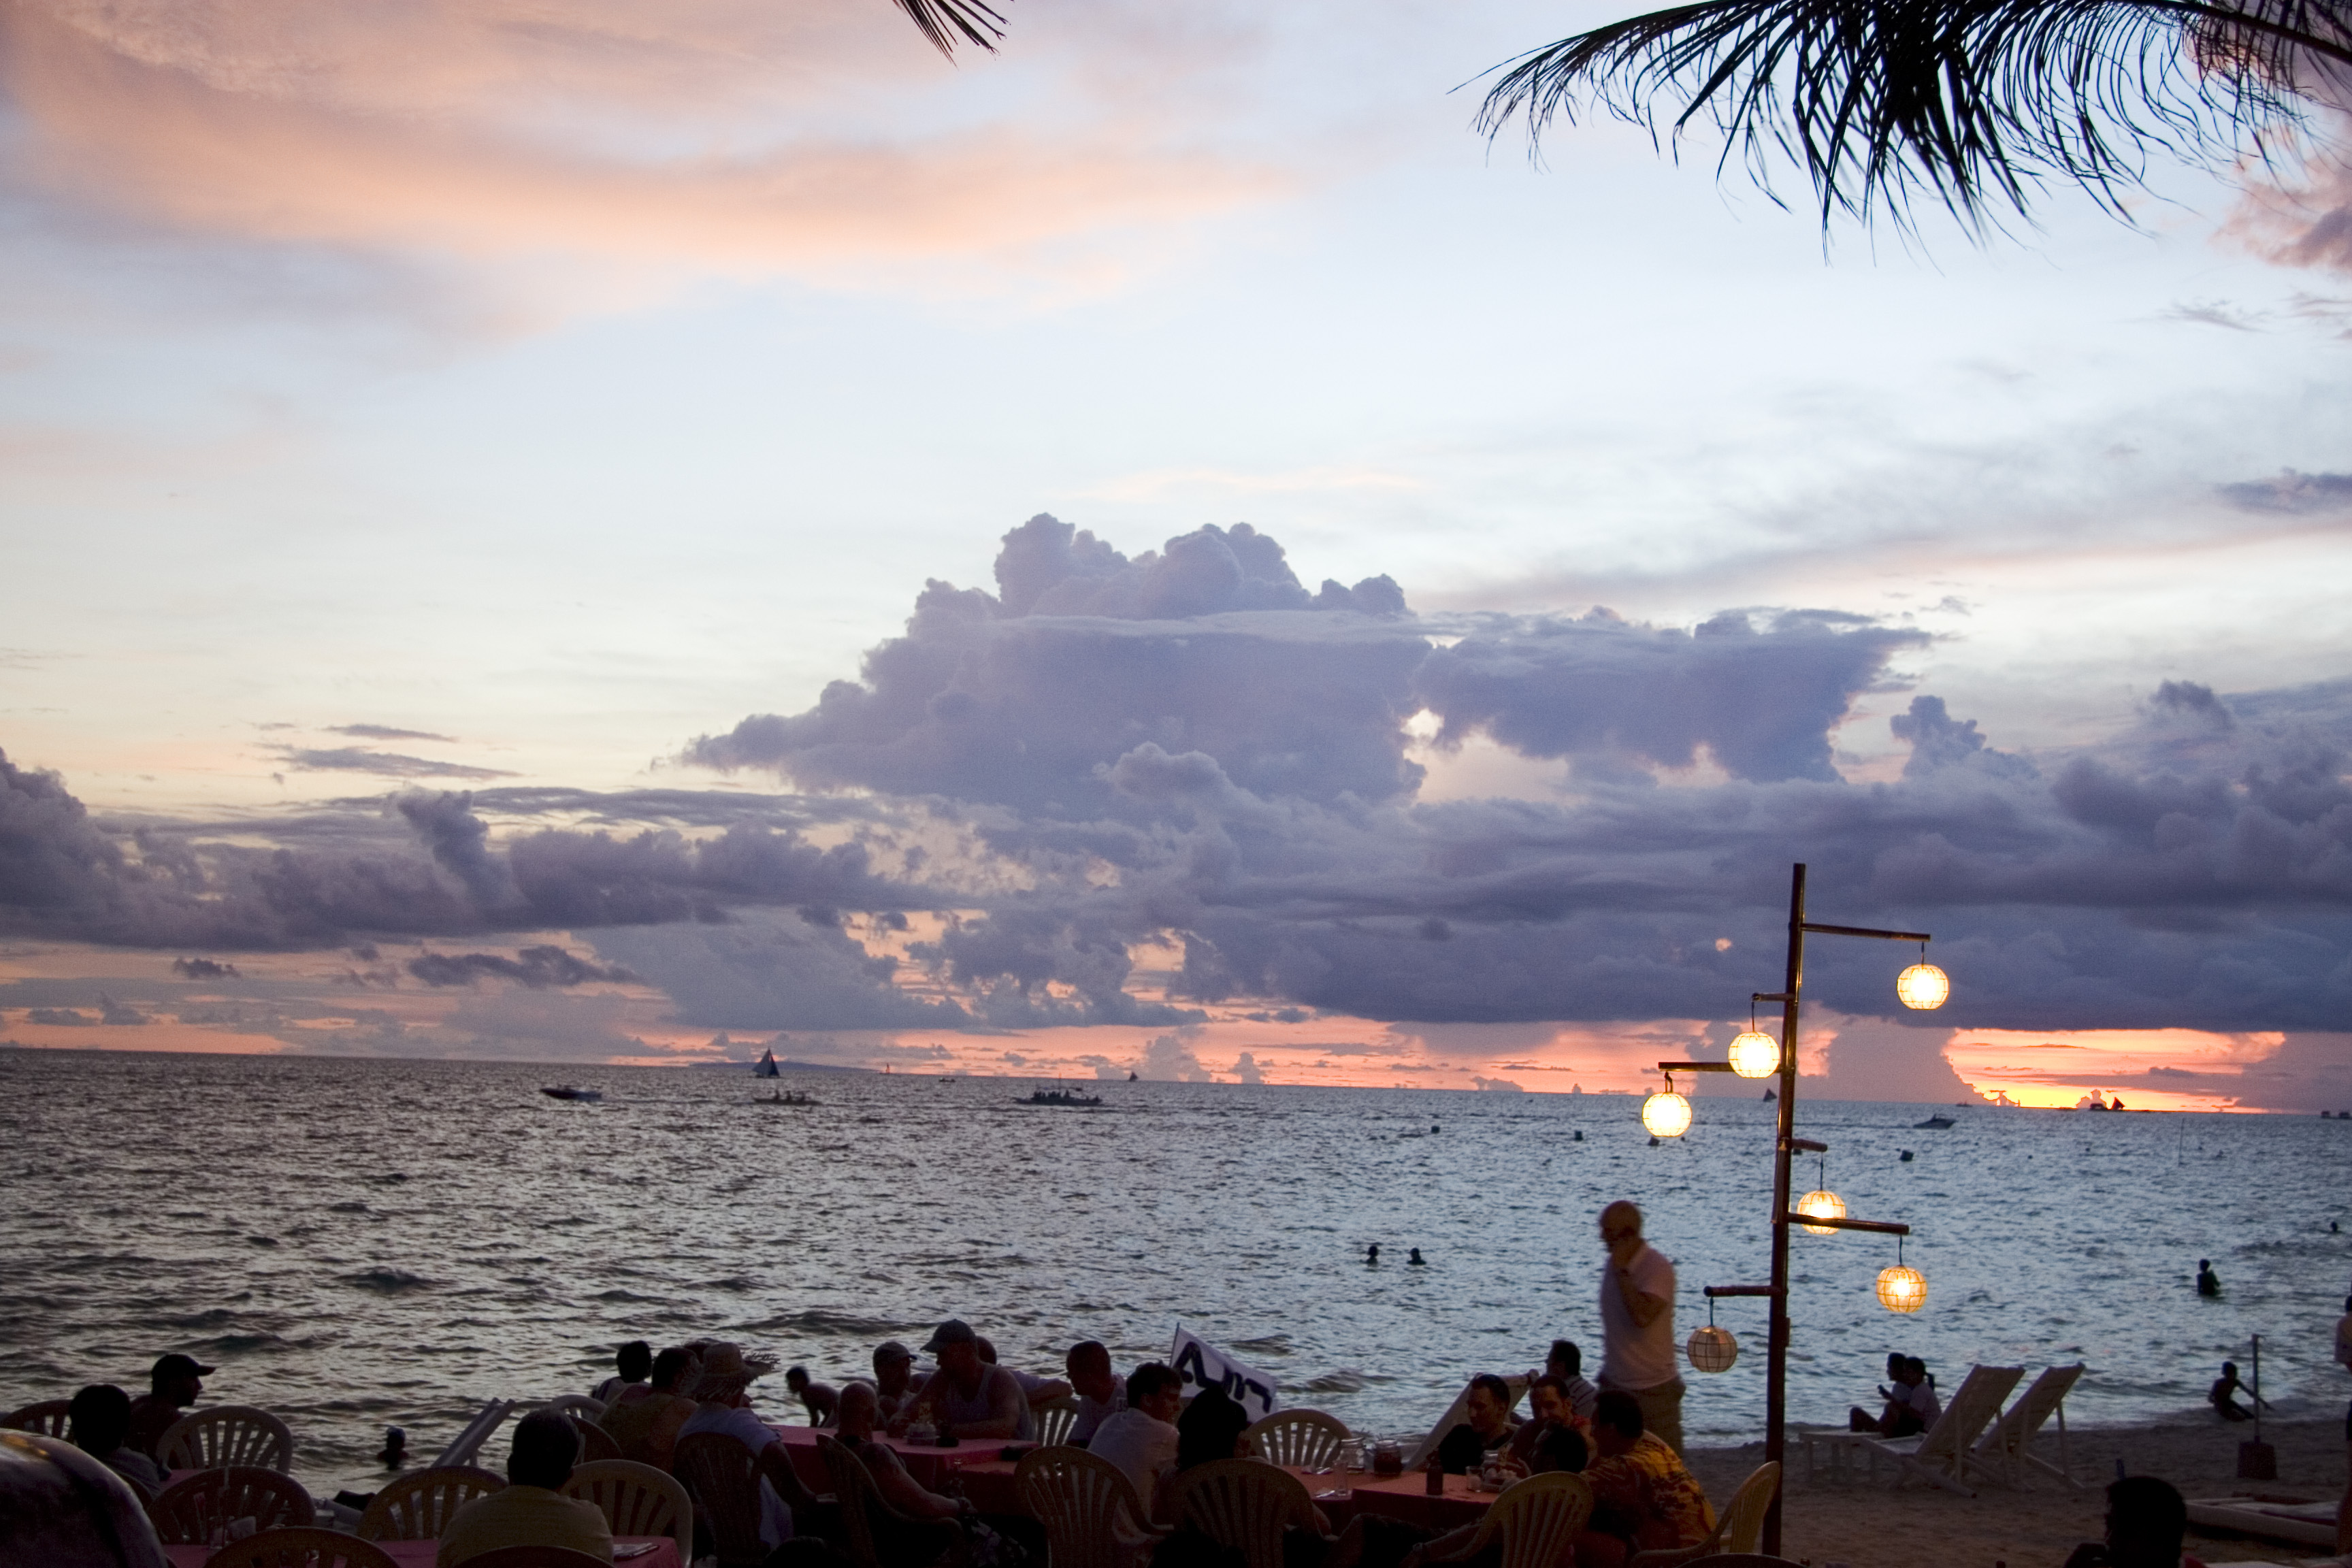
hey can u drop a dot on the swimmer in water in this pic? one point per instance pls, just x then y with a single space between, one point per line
1414 1256
2208 1282
1373 1256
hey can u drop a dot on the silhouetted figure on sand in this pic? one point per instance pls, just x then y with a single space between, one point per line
2221 1395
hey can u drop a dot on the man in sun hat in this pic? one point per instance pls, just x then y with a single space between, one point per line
719 1380
172 1385
974 1398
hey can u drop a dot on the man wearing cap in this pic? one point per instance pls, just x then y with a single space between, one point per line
719 1381
895 1383
972 1397
173 1384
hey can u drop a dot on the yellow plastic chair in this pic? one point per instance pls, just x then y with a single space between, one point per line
223 1435
1739 1528
1243 1505
1304 1439
417 1506
1535 1519
1055 1420
636 1499
188 1512
47 1417
1092 1516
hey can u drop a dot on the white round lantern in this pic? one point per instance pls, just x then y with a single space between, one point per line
1755 1054
1823 1204
1666 1114
1712 1349
1923 986
1902 1289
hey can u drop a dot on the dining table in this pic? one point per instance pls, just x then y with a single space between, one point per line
659 1552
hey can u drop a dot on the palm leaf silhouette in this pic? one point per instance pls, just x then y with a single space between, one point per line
1974 105
943 22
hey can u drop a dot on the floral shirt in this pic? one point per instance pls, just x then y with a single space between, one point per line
1645 1495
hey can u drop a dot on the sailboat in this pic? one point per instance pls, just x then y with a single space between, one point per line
767 1068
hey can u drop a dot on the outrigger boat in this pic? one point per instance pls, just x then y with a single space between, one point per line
1059 1097
565 1092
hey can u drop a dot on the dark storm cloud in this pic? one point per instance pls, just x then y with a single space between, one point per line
536 967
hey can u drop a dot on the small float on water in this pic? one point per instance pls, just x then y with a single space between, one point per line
1059 1097
565 1092
1937 1121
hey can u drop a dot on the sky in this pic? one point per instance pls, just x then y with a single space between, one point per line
665 531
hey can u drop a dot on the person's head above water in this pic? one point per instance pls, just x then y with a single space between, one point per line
1210 1428
546 1443
101 1414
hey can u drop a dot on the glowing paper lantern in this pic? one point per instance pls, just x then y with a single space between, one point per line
1902 1289
1666 1114
1712 1349
1923 986
1755 1054
1824 1203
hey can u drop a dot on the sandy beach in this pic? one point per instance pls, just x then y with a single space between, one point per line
1871 1525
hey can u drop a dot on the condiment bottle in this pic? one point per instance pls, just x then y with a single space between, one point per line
1434 1476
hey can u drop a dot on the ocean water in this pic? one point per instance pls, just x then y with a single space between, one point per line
358 1244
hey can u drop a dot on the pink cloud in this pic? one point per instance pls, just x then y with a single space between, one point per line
242 124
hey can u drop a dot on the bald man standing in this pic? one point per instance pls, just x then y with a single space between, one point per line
1637 1324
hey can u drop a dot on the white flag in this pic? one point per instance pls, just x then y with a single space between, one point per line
1202 1365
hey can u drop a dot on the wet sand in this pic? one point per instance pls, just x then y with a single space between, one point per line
1871 1525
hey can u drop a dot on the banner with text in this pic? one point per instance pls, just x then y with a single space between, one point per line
1202 1365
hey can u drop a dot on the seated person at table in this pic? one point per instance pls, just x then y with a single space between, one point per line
172 1385
1099 1392
644 1420
1911 1406
859 1414
973 1397
530 1510
1038 1391
821 1400
1567 1363
634 1363
100 1417
1142 1439
895 1382
1643 1497
1210 1429
1549 1412
721 1385
2145 1521
1490 1426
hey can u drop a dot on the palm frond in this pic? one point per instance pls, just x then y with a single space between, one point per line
1974 105
943 22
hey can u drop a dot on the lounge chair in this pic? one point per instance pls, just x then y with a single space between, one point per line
467 1444
1455 1413
1938 1455
2005 1452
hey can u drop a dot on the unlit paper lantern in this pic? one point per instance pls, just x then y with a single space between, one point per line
1755 1054
1666 1114
1822 1203
1923 986
1902 1289
1712 1349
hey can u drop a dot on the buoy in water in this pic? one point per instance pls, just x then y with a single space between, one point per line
1579 1137
1907 1156
1653 1142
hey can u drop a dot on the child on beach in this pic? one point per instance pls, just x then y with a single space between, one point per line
2220 1396
822 1399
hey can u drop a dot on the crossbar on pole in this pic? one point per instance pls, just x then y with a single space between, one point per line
1884 1227
1865 931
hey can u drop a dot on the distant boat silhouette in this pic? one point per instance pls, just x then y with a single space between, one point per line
1770 1095
767 1068
1940 1122
1132 1078
1058 1096
565 1092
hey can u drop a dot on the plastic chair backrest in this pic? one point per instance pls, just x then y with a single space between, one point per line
303 1548
595 1442
47 1418
1243 1504
1742 1523
1307 1439
535 1557
223 1436
576 1405
722 1476
860 1499
1055 1420
1082 1502
636 1499
417 1506
186 1512
1536 1519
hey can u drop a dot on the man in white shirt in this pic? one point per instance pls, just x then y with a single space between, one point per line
1099 1392
1141 1439
1637 1324
973 1399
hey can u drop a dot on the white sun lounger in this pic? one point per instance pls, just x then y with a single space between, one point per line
2006 1451
477 1432
1938 1455
2266 1514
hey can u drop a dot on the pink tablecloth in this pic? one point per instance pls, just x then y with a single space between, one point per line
419 1553
929 1465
